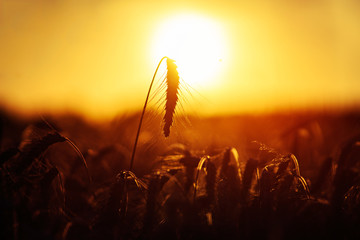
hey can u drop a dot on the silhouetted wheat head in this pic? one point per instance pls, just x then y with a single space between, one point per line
172 81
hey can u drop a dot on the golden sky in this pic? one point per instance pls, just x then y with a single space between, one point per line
97 57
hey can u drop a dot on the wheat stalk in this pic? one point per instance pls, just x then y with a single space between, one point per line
198 169
172 80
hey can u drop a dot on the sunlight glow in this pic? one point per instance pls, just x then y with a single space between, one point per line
196 44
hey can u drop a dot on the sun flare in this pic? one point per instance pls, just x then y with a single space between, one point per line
196 44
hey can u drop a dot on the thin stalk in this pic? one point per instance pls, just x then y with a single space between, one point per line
142 116
199 167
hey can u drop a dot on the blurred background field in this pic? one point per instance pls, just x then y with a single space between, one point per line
312 136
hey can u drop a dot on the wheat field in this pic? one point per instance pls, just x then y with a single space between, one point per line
277 176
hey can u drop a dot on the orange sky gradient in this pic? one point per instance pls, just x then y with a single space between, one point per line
97 57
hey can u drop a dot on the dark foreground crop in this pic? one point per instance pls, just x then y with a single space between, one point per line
184 193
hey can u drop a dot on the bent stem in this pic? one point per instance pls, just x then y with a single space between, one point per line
142 116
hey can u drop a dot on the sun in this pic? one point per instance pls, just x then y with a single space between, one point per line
197 45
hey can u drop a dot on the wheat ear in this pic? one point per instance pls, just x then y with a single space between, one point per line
172 80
